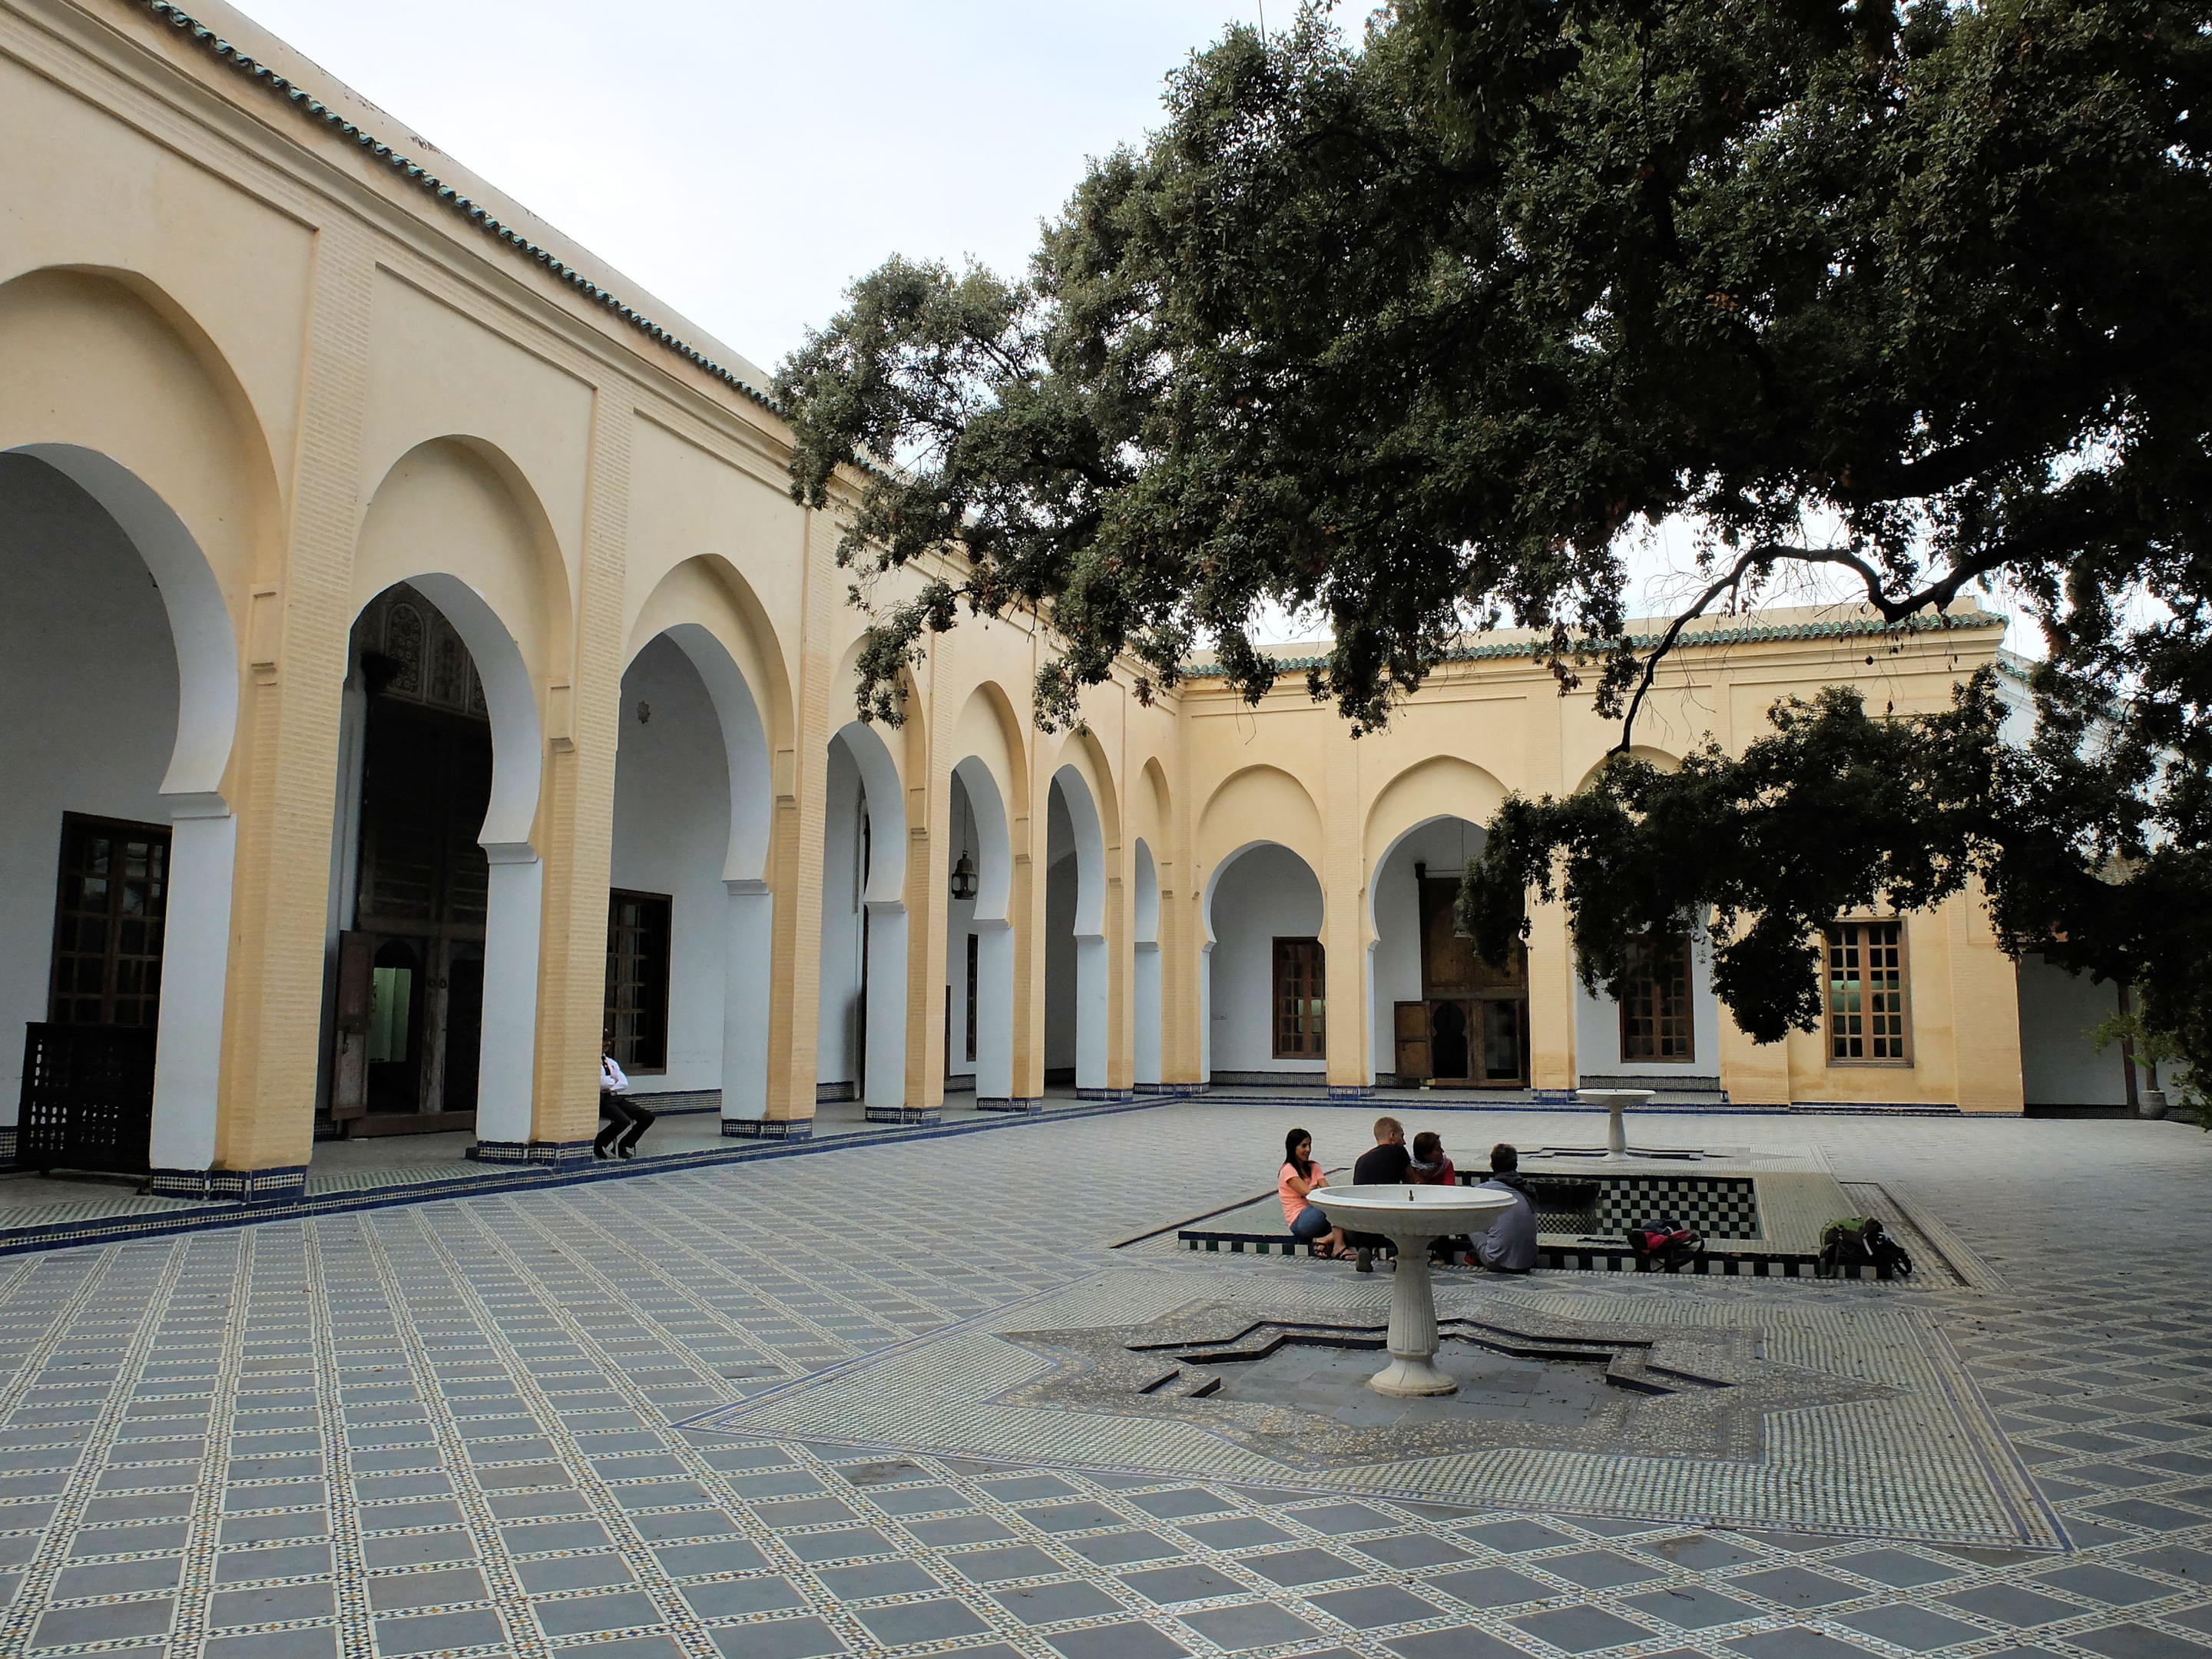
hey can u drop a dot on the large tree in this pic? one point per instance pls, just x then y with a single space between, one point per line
1413 332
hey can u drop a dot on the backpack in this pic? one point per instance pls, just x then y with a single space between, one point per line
1665 1244
1859 1242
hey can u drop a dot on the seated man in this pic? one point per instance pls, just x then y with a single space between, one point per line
1510 1246
1385 1162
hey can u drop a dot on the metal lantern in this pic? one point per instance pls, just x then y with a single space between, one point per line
963 878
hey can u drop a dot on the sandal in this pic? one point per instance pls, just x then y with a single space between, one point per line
1334 1253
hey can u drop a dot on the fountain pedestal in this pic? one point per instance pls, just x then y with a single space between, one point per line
1410 1218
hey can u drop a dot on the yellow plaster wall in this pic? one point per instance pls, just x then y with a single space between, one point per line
338 383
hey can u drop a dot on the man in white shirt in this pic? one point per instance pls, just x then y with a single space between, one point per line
625 1121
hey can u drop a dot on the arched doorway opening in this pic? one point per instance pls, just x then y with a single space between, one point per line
690 920
117 657
1266 999
979 948
1147 1062
1075 957
862 1054
412 888
1442 1014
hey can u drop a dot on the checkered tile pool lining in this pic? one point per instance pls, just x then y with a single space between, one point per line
1719 1206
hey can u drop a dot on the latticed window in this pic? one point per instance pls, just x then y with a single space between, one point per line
1301 1004
1655 1020
1867 1018
638 937
108 922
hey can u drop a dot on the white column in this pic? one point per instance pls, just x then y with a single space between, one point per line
994 1010
513 916
1091 988
748 947
1148 1012
195 964
1206 1015
885 1083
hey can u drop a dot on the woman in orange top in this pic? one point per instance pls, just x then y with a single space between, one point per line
1299 1176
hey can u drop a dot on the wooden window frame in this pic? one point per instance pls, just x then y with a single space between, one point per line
1832 941
1641 1003
1301 975
64 1003
642 1059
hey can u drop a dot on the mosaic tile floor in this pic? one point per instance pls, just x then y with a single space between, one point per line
450 1428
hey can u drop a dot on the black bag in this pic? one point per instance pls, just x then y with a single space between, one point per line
1665 1244
1859 1242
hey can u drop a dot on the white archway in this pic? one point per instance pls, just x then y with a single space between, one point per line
1076 995
864 965
514 911
1440 844
1260 891
993 988
1147 988
737 954
514 891
203 838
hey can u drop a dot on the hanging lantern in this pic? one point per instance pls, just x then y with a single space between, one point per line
963 878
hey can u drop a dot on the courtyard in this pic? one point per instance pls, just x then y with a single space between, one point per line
808 1406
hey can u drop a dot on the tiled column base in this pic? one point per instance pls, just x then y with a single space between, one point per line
924 1115
243 1185
530 1151
1170 1088
768 1128
1105 1094
1350 1092
1004 1103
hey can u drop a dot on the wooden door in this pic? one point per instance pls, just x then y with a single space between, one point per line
350 1059
1410 1028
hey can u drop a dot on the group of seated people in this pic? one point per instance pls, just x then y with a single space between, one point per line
1509 1246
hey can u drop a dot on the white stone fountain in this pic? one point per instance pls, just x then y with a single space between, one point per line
1616 1101
1409 1216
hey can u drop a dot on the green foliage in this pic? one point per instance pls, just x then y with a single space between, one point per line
1764 848
1410 332
2157 1051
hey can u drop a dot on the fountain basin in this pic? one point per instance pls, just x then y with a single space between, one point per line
1409 1216
1616 1102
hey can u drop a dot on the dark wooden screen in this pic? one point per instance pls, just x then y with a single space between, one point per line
974 989
1301 1002
638 935
109 916
1656 1019
426 783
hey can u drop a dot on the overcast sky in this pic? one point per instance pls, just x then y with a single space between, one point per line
745 160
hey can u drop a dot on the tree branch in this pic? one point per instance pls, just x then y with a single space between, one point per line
1938 594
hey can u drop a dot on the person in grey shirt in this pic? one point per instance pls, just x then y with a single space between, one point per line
1510 1246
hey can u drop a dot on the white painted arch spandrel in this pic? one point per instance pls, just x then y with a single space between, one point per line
1259 803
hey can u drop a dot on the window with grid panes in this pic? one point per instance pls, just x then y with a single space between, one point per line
638 935
1301 1006
1867 1013
109 917
1656 1022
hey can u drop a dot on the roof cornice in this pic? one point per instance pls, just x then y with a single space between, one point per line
459 202
1530 646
